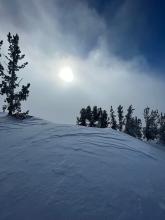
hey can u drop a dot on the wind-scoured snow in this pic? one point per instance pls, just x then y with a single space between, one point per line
58 172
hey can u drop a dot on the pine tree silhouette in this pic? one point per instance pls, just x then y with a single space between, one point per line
1 67
113 122
162 129
10 81
89 115
137 128
82 119
129 121
95 117
103 119
120 117
150 130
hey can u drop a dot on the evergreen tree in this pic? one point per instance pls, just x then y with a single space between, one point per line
146 129
103 119
155 117
95 117
120 117
10 83
162 129
129 122
1 67
82 119
137 128
113 122
99 124
89 116
150 130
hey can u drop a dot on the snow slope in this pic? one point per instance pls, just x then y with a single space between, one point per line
58 172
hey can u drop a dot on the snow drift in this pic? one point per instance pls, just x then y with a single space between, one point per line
50 171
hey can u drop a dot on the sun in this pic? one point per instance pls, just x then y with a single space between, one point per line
66 74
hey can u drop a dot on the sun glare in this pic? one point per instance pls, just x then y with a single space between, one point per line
66 74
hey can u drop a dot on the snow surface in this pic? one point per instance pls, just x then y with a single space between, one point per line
58 172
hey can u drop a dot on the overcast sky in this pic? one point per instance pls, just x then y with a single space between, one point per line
116 50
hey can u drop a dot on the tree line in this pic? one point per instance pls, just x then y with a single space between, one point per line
153 129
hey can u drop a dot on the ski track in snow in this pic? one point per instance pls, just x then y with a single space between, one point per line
50 171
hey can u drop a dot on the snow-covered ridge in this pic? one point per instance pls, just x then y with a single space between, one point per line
50 171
